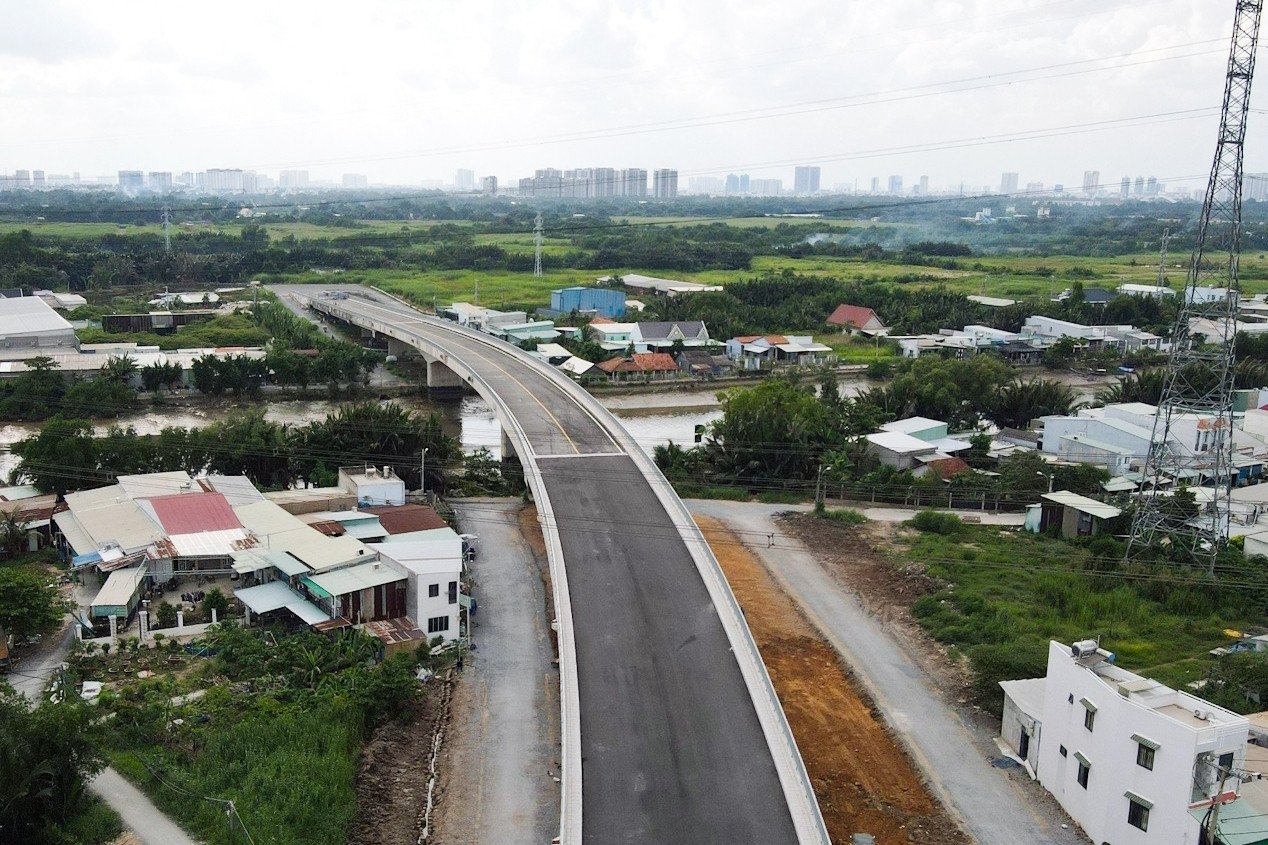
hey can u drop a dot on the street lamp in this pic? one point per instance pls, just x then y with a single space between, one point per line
422 472
1047 475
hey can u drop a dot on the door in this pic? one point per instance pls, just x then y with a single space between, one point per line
1023 747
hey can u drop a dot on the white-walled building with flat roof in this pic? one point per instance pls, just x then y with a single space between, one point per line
1127 757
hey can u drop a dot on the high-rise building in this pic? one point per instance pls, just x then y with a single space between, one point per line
159 180
1151 186
23 176
129 180
767 187
732 183
806 180
1008 183
222 180
876 184
489 185
1091 181
1140 186
633 182
1125 187
702 184
605 182
895 184
745 183
665 183
464 180
293 179
1255 187
1034 187
354 180
37 179
924 186
186 178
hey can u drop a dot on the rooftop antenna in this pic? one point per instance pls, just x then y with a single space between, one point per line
537 245
1199 379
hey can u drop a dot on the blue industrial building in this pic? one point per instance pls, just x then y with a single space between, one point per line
603 301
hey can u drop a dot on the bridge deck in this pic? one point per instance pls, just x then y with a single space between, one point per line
671 745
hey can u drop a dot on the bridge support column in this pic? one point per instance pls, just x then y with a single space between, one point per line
442 381
508 448
399 349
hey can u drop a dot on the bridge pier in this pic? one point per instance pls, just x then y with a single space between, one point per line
399 349
442 381
508 448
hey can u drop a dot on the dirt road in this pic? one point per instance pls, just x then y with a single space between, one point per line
862 778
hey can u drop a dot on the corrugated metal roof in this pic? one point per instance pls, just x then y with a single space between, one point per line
279 531
237 489
28 315
896 441
275 595
79 539
442 553
211 543
120 587
402 519
359 577
192 513
156 484
1082 504
108 514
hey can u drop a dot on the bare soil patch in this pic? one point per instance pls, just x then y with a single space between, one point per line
392 778
862 777
857 557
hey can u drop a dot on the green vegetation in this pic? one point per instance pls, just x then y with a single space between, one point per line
845 516
999 595
46 756
29 604
277 732
66 456
937 522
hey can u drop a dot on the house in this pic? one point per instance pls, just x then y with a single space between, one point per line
606 302
991 301
1073 515
933 432
406 520
662 335
61 301
945 468
753 352
1124 755
373 486
434 568
528 331
1154 291
552 353
644 366
949 346
1091 296
376 589
898 450
120 594
613 336
702 363
855 319
311 499
358 525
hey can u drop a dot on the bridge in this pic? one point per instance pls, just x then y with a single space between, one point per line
671 730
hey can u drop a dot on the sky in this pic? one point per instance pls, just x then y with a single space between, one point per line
405 91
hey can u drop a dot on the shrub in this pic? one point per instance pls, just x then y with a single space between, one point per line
166 615
937 522
995 662
845 516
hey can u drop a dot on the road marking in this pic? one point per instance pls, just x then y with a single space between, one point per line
584 455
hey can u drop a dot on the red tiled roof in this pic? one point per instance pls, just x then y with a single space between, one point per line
403 519
639 362
190 513
328 527
949 468
852 315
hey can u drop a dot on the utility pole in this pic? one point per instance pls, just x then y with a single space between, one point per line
1200 379
537 245
167 230
422 472
1162 258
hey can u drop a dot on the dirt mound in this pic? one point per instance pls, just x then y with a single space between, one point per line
863 779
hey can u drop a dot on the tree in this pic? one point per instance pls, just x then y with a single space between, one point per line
119 368
1059 355
62 457
1019 402
13 533
215 600
773 430
166 615
46 756
28 605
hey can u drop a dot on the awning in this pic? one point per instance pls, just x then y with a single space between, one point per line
315 588
1148 743
287 565
1144 802
276 595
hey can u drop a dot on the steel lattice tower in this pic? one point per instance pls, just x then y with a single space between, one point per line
537 244
1199 378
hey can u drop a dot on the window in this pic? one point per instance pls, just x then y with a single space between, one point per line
1061 750
437 624
453 592
433 590
1084 769
1137 814
1089 719
1144 757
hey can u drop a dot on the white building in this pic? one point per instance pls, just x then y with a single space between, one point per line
1157 291
1127 757
29 327
434 567
372 485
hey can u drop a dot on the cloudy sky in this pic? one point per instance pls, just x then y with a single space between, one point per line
410 90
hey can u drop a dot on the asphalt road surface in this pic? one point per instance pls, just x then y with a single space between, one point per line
993 808
671 746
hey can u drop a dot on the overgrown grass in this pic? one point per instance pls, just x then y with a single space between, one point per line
227 330
291 776
1008 593
845 516
97 824
687 490
781 497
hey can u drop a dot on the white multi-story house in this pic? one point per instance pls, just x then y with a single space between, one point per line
1126 756
433 561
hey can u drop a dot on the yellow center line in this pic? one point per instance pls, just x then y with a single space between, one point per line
406 317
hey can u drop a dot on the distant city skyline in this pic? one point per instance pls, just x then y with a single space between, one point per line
853 88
